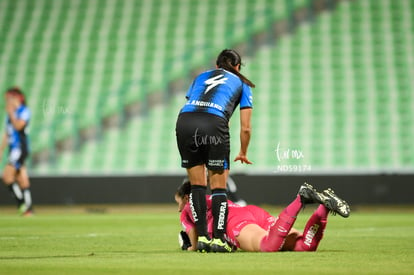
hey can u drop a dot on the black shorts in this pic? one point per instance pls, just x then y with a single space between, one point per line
17 156
203 138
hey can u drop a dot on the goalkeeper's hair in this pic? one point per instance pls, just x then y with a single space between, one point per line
184 188
227 60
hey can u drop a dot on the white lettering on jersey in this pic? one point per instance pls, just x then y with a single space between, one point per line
214 81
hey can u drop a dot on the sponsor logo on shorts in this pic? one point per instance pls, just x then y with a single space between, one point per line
216 162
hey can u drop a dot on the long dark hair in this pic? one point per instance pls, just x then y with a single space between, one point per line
184 189
17 92
227 60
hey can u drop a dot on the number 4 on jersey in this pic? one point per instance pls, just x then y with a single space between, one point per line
214 81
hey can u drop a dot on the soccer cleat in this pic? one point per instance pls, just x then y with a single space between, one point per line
336 204
25 211
22 209
203 244
28 213
218 245
309 195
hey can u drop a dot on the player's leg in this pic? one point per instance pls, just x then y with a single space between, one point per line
291 239
24 183
9 179
192 159
198 204
217 162
250 237
280 229
249 226
218 179
314 229
278 232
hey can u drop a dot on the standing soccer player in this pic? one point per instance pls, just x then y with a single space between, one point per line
204 142
18 116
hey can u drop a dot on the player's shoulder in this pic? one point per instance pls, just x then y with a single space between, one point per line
206 74
217 71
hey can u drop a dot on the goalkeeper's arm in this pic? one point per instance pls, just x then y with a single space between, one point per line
186 240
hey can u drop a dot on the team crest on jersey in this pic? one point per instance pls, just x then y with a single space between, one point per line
214 81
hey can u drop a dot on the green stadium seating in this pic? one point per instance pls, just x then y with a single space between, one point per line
339 88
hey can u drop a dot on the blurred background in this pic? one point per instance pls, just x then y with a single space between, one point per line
105 80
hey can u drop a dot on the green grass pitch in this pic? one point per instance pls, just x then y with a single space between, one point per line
143 240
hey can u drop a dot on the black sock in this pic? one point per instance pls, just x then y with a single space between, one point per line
198 206
219 211
16 193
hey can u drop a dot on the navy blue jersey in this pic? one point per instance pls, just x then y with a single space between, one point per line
218 92
18 139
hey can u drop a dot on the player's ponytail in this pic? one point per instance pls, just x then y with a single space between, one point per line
17 92
227 60
184 189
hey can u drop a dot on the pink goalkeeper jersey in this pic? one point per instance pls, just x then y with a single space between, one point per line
238 218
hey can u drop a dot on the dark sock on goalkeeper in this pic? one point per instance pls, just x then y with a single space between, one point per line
16 193
198 206
219 210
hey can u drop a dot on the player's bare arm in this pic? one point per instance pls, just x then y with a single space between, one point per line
245 133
